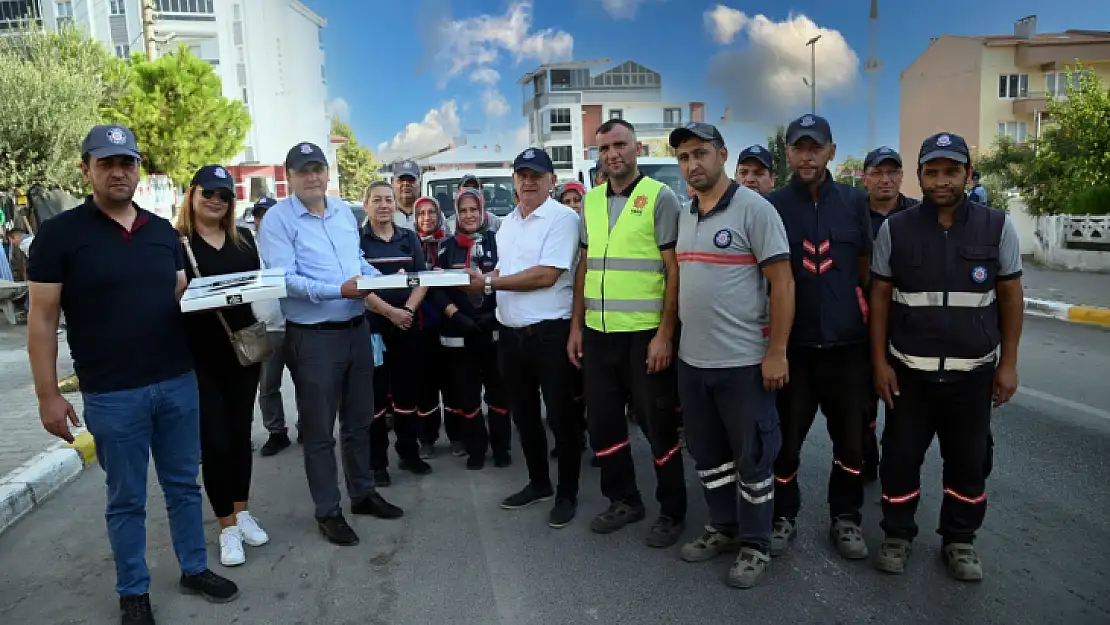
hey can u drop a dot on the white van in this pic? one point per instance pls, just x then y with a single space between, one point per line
662 168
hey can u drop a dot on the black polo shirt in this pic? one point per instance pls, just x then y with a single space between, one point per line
401 251
119 295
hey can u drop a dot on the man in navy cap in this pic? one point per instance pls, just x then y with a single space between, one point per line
118 273
946 308
755 169
406 186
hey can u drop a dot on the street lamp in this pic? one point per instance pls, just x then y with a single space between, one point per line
812 43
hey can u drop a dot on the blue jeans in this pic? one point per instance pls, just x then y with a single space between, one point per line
129 426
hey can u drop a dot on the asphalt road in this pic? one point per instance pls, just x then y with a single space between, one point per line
457 557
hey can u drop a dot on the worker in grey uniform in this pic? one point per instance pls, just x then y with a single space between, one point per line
406 186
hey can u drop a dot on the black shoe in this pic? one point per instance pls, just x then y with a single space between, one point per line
617 516
212 587
502 460
277 442
135 610
337 531
665 532
526 497
476 462
381 478
415 466
376 506
563 512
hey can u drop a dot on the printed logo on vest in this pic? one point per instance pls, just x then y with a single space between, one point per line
723 238
979 274
638 204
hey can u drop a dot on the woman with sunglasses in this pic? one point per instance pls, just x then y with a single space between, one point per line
213 244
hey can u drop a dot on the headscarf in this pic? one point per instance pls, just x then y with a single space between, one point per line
429 240
483 220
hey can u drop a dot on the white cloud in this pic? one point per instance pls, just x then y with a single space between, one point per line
437 130
477 42
485 76
339 109
762 80
724 22
494 103
621 9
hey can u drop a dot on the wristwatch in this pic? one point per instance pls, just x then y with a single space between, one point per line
489 286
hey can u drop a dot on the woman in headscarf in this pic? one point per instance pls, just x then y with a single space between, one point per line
469 338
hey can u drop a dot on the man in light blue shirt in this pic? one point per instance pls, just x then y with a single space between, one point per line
315 238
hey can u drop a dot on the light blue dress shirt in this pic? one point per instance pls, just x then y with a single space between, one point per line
318 254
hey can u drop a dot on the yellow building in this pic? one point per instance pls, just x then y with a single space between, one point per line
986 86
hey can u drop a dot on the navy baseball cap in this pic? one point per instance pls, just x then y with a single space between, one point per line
407 168
535 159
759 153
303 154
106 141
809 126
880 155
213 177
262 205
944 145
699 130
470 178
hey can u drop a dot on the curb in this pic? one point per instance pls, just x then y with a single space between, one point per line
30 485
1093 315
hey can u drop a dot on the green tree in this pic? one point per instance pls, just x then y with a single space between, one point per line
850 172
776 143
176 108
357 167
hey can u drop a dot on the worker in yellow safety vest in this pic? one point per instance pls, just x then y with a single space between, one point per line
623 332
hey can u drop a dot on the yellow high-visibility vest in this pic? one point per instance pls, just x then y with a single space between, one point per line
625 279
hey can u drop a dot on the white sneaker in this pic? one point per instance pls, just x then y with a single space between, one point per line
251 531
231 547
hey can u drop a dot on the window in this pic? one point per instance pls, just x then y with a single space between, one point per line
13 14
183 6
591 153
616 114
1056 83
672 116
1014 130
245 101
64 13
560 78
259 186
123 51
241 74
116 7
1013 86
560 120
561 156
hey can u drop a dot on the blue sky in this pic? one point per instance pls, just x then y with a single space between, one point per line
428 69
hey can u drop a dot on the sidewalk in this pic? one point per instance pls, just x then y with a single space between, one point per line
1067 295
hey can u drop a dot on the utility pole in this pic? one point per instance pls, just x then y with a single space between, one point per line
873 66
812 43
146 8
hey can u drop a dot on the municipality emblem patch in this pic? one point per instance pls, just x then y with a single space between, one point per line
306 148
117 136
723 238
944 141
529 154
979 274
220 172
808 121
755 149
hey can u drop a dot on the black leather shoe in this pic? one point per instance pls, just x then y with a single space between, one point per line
136 610
337 531
416 466
376 506
214 588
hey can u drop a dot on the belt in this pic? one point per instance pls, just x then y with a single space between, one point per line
354 322
530 330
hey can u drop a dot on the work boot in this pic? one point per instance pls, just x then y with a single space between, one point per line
617 516
275 443
415 465
848 538
782 534
709 545
376 506
748 567
963 562
893 555
135 610
212 587
665 532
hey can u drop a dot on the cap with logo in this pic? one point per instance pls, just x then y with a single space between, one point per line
262 205
406 168
535 159
107 141
944 145
759 153
213 177
304 154
809 126
881 155
470 178
695 130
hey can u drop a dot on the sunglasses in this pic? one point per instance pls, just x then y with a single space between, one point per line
223 194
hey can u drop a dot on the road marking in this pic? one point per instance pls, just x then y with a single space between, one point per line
1067 403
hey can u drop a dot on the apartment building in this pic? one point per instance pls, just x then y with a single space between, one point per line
268 53
988 86
565 103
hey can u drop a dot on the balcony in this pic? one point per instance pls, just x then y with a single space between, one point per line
1030 103
557 136
1086 50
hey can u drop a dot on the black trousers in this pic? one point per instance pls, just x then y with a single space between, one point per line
226 395
614 366
838 381
397 384
469 369
958 414
532 360
428 406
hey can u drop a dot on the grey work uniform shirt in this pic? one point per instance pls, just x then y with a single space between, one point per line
723 299
667 209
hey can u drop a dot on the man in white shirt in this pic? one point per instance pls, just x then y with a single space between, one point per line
537 245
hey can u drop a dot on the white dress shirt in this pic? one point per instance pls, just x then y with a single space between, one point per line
549 238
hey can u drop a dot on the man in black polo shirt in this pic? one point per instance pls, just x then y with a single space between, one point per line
116 271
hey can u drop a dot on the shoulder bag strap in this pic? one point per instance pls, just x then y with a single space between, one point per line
196 272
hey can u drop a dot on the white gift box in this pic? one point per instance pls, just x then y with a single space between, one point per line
231 289
447 277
